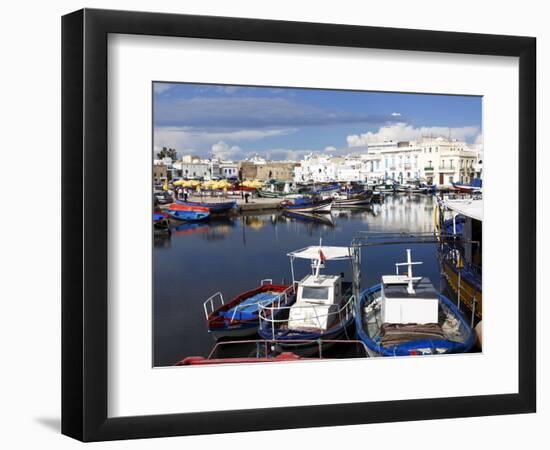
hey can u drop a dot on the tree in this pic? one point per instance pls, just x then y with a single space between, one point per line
167 153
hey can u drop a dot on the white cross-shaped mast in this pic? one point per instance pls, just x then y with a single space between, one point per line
409 278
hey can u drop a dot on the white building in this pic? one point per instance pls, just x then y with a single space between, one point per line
433 160
193 167
318 169
439 160
229 169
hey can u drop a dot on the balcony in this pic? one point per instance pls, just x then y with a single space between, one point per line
428 169
446 168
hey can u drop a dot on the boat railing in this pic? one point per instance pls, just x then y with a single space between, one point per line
269 344
209 304
266 281
268 313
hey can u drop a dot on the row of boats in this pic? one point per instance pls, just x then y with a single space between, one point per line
402 315
316 202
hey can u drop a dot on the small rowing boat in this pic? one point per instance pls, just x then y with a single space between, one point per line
187 213
239 317
352 200
307 204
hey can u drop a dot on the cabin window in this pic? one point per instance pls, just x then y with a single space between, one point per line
315 293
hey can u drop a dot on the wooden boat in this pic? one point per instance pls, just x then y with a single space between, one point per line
321 309
187 213
239 317
475 187
305 204
404 315
352 200
161 224
213 208
255 351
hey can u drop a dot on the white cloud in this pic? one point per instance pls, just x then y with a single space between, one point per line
182 137
396 114
161 87
405 132
222 150
330 148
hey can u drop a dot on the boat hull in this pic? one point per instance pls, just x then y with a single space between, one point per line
188 216
324 206
213 208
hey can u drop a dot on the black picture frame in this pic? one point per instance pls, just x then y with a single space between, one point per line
84 224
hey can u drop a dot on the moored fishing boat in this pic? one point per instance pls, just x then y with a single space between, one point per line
161 224
187 213
239 317
213 208
254 351
321 309
307 204
404 315
475 187
352 199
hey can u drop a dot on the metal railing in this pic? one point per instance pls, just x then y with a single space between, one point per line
267 314
209 304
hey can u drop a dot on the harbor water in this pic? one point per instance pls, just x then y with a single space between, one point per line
231 255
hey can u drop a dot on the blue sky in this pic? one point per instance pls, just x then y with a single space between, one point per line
236 122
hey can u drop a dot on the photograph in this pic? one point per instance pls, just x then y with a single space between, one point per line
294 224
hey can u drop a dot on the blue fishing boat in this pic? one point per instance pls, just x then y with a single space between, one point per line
187 213
213 208
404 315
322 307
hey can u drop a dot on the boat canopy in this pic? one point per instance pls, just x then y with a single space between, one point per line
468 207
329 253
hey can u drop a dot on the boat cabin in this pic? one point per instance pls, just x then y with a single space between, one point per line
407 299
318 300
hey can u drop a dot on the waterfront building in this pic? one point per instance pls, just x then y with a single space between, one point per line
229 169
440 160
160 173
193 167
263 170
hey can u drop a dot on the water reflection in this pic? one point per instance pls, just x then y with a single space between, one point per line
232 255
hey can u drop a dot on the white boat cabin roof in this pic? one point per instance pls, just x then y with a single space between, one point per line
468 207
329 253
319 281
